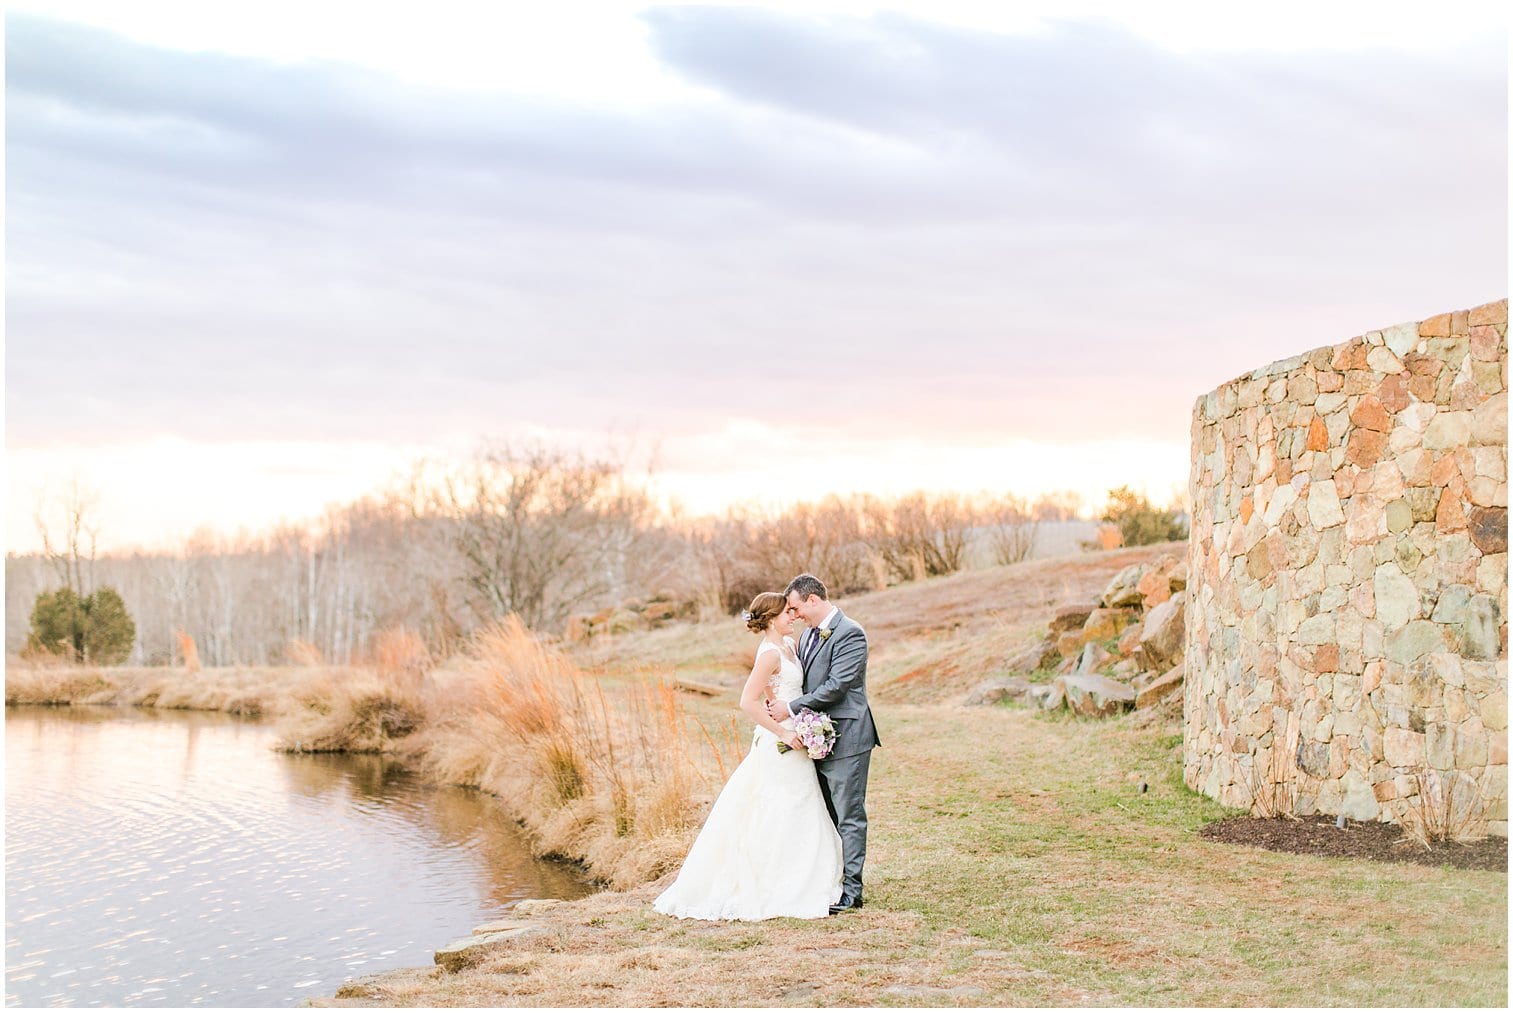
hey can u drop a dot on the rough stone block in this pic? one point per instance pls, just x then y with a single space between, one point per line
1096 696
465 953
1403 748
1488 528
1491 313
1071 617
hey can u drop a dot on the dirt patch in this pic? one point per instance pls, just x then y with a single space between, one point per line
1380 842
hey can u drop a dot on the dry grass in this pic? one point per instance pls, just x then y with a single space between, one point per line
351 710
1012 861
234 690
401 657
931 641
610 773
1019 866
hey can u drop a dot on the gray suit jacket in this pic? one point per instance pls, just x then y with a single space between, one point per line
835 682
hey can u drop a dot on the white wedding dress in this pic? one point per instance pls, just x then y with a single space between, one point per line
768 848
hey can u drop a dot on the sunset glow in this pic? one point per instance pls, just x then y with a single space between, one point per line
263 258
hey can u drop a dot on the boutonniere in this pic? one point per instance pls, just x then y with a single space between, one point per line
825 634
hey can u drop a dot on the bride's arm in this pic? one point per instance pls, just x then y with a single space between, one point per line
754 697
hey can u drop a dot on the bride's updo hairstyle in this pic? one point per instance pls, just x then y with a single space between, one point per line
764 608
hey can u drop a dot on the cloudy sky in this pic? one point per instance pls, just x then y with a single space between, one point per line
260 256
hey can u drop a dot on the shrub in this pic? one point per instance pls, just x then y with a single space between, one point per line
95 629
1141 523
1448 806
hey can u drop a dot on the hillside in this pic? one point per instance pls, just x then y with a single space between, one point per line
930 641
1016 857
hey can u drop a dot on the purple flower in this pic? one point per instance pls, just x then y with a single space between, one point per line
815 730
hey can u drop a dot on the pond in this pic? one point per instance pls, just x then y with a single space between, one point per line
176 859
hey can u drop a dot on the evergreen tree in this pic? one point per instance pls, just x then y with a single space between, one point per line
57 624
96 629
108 629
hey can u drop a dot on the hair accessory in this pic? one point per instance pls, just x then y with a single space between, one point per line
746 617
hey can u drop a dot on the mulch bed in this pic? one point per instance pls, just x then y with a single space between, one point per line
1380 842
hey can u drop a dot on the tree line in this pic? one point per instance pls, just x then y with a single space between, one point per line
538 533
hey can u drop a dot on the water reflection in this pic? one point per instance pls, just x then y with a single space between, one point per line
175 859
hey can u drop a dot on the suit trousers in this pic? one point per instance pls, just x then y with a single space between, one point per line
843 783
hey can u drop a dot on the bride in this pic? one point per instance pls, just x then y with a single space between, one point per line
768 848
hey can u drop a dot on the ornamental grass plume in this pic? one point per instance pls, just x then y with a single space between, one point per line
594 769
187 650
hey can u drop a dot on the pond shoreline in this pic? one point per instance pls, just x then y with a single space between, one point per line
171 848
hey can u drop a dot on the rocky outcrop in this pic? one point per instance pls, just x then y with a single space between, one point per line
636 615
1130 637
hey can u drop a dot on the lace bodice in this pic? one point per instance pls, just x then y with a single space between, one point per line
788 681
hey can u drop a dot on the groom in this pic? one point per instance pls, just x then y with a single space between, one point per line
834 655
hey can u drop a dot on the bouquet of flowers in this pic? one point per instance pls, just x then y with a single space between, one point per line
815 730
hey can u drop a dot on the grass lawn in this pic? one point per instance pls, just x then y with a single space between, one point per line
1012 861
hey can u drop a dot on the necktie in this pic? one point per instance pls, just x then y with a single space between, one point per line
813 646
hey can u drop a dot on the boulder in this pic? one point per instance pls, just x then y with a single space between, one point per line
1043 654
1129 640
1177 579
465 953
1124 589
1070 617
1163 637
1096 696
1092 658
994 690
1163 687
1047 697
1105 623
488 928
1155 584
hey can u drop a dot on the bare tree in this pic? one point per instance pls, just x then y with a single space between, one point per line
540 532
1065 505
918 535
71 551
1012 528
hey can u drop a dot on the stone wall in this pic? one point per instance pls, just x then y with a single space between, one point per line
1347 573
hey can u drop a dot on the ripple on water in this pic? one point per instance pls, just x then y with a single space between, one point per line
179 860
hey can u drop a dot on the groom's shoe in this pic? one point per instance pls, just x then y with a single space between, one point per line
847 903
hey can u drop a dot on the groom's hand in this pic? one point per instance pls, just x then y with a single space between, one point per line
778 710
